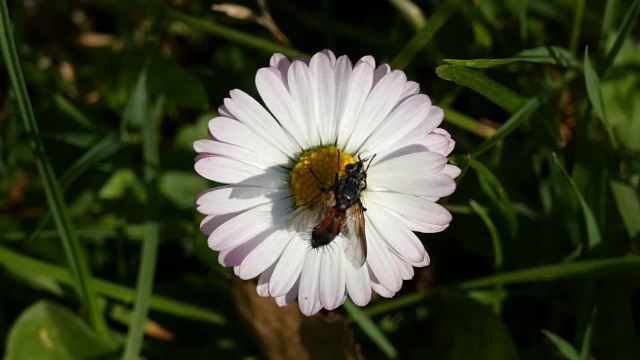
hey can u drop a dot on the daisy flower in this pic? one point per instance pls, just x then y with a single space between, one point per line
282 213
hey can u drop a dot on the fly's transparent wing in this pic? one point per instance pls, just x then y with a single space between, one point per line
355 240
305 217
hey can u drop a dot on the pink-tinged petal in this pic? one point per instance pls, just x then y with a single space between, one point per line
440 142
276 96
308 294
399 238
330 55
249 112
418 225
281 63
231 171
411 207
382 99
236 133
235 255
380 72
332 279
380 260
249 225
424 262
289 266
422 183
303 94
452 171
264 254
358 284
406 270
410 88
212 222
228 199
401 121
369 60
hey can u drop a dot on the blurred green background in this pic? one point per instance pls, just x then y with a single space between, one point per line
97 221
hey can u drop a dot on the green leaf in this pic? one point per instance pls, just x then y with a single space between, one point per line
178 85
593 232
595 96
565 348
49 331
467 123
545 54
181 187
620 37
495 92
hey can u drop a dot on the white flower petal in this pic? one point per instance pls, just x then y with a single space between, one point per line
289 267
308 294
289 297
276 96
358 284
323 84
380 261
263 282
406 270
248 111
413 208
377 287
212 222
243 154
228 199
264 254
235 255
231 171
452 171
358 90
332 278
249 225
396 235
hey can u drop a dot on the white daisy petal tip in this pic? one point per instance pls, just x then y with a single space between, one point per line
326 177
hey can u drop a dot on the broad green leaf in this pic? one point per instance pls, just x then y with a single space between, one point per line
461 328
595 96
492 187
545 54
564 347
495 92
121 181
593 232
49 331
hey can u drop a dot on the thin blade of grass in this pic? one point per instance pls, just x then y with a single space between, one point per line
628 204
410 12
370 329
424 35
565 348
495 92
587 268
587 340
18 262
595 96
73 250
577 26
621 35
148 115
233 35
467 123
593 232
520 116
545 54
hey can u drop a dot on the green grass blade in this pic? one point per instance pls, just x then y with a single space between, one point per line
149 117
424 36
621 35
72 111
467 123
577 26
18 262
370 329
73 250
410 12
593 232
588 268
545 54
520 116
565 348
233 35
492 187
628 204
587 341
495 92
595 96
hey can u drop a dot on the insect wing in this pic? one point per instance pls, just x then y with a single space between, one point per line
307 216
355 240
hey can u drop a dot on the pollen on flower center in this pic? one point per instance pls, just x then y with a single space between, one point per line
315 171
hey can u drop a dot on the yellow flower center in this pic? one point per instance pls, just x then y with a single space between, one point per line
315 171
